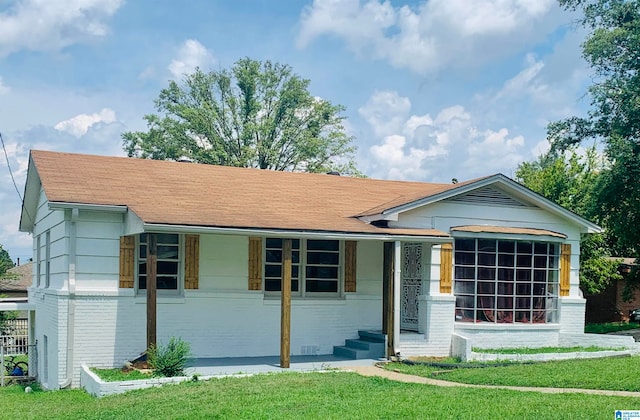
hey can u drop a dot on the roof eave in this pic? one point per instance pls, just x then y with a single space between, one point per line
171 228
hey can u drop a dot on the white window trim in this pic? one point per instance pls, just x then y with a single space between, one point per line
179 291
302 281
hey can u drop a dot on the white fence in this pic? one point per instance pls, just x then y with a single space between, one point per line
15 337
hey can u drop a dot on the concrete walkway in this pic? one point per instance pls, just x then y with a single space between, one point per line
371 370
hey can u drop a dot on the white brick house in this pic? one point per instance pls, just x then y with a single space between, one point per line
486 259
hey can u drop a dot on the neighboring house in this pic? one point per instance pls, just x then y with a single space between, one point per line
609 305
16 281
486 260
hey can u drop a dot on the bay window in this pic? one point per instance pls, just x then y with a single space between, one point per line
506 281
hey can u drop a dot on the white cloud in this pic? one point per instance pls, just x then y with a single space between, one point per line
4 88
434 34
42 25
386 112
192 54
80 124
450 145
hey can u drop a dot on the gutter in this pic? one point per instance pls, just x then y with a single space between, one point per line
71 305
166 228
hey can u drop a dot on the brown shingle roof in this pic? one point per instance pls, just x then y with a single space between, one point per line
17 279
162 192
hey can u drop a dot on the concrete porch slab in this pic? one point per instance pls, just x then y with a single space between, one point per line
253 365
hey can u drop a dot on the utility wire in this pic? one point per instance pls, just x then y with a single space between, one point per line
15 185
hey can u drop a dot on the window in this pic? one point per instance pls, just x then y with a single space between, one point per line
315 266
47 259
38 260
505 281
168 261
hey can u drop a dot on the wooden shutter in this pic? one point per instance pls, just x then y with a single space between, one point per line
255 263
446 268
565 269
191 261
350 251
127 261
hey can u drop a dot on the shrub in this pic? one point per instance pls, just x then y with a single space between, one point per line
170 360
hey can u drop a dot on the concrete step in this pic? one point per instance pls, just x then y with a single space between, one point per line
374 336
372 346
350 353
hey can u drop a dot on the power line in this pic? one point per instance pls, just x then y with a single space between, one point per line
15 185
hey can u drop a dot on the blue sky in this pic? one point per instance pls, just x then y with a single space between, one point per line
434 90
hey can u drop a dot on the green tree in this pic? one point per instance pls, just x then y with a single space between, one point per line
570 179
257 114
611 49
5 261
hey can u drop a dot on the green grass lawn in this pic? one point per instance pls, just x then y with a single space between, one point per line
333 395
610 373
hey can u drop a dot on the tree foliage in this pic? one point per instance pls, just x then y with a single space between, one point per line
570 179
257 114
5 261
611 49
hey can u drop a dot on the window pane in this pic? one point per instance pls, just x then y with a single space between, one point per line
486 245
553 249
486 273
323 245
273 255
523 289
465 258
506 246
168 252
322 272
539 275
273 270
143 237
505 288
540 248
486 288
274 243
465 244
523 275
167 267
505 274
464 287
553 261
540 261
325 258
525 247
143 251
524 260
142 282
272 285
465 273
167 283
539 289
168 238
506 260
464 301
322 286
142 268
486 259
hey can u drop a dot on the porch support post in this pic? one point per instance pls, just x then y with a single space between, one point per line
285 305
397 271
387 297
151 289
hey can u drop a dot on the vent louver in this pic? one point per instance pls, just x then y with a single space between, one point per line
490 196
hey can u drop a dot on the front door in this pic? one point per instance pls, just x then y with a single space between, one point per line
411 285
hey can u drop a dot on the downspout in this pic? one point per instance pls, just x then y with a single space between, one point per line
71 307
397 278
